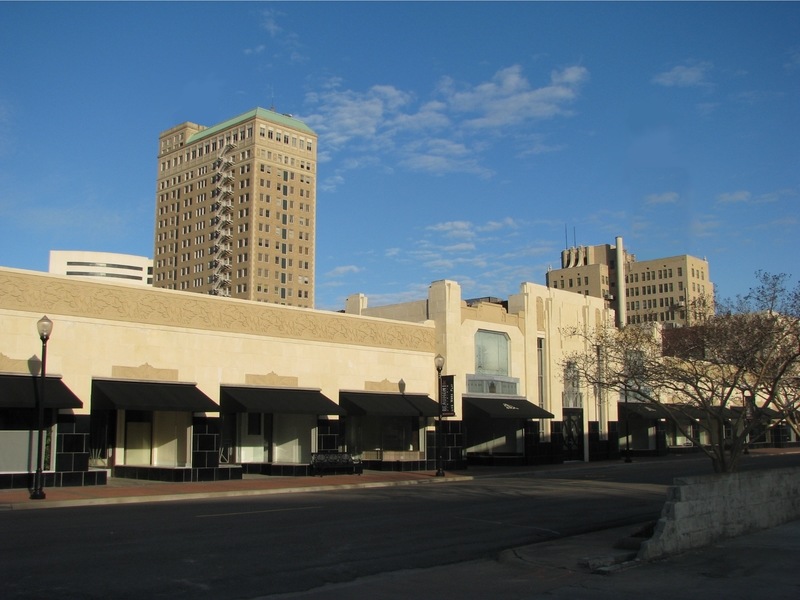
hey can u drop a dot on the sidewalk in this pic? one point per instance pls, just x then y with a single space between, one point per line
758 565
130 491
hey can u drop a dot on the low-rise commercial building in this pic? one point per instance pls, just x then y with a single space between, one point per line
152 383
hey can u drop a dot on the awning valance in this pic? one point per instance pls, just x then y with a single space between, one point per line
111 394
766 413
644 410
20 391
505 407
386 404
684 413
277 401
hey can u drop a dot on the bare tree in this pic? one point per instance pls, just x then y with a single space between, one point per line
787 402
778 307
716 380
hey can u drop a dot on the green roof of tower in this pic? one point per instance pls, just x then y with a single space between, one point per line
263 113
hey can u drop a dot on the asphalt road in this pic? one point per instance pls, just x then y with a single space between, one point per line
258 546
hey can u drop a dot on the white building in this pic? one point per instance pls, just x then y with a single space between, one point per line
102 266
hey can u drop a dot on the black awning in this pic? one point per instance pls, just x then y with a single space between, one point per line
290 401
110 394
505 407
20 391
644 410
765 414
386 404
687 413
424 404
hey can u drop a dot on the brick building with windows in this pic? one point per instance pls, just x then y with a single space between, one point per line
236 209
665 290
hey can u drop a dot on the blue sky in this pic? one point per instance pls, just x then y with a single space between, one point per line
466 141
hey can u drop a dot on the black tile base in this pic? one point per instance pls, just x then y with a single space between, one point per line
277 470
18 481
177 474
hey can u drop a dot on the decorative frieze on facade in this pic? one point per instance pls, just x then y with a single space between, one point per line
19 365
383 386
51 294
271 379
144 372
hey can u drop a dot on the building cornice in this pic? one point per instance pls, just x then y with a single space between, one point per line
58 295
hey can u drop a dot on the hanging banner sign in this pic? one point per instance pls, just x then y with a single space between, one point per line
447 396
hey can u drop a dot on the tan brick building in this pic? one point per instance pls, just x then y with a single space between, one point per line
236 209
663 290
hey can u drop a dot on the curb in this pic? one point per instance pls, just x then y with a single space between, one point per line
187 496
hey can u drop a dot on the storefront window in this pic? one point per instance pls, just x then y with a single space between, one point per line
491 353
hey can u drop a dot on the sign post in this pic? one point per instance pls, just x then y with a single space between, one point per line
447 395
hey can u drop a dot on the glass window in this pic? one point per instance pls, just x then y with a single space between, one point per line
573 398
253 423
491 353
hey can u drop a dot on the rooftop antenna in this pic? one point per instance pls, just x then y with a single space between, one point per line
272 98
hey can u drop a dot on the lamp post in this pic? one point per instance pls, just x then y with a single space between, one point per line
439 363
44 326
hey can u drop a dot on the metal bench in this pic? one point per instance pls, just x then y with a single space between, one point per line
335 463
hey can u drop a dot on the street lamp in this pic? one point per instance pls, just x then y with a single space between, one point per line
438 361
44 326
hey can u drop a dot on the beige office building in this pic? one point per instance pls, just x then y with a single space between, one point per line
665 290
236 209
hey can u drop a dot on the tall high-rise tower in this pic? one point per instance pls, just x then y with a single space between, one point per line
236 209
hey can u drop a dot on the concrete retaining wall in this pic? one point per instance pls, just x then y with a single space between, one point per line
702 510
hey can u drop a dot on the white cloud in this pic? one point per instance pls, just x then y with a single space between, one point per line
466 230
440 165
754 97
665 198
270 22
778 195
706 108
734 197
329 184
343 270
509 98
430 117
460 229
639 225
442 134
570 76
496 225
414 292
793 61
463 247
691 75
536 144
287 42
704 226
